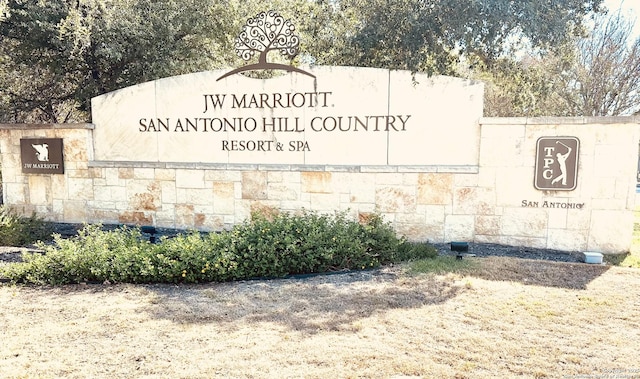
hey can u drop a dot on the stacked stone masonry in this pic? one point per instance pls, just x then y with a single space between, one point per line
494 201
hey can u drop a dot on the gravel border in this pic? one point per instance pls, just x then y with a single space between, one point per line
490 249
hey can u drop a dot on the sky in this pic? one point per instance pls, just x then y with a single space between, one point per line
630 8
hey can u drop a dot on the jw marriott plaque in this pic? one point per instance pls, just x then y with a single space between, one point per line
41 155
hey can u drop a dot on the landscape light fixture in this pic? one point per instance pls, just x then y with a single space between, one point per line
460 247
151 230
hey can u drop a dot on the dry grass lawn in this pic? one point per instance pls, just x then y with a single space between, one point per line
505 318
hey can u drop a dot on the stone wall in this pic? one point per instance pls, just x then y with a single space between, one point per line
597 215
54 197
494 201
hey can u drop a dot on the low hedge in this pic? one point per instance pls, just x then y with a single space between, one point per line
263 247
19 231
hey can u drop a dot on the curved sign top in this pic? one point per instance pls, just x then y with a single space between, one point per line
342 116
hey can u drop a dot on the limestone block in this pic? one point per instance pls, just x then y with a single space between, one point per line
76 211
223 198
190 179
282 191
75 149
396 199
102 205
263 207
14 193
73 173
324 202
466 180
39 190
274 177
254 185
209 222
222 176
362 188
487 225
443 125
524 222
118 194
205 209
610 231
58 207
558 218
474 200
135 218
412 226
612 161
389 178
435 189
513 185
105 216
143 173
125 172
291 176
414 232
102 193
196 196
316 182
80 189
59 187
112 176
184 216
567 239
459 228
536 242
143 195
117 115
96 173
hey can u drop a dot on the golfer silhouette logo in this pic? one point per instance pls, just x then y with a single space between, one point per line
562 162
557 163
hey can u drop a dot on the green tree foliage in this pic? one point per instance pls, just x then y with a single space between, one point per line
56 55
594 75
430 36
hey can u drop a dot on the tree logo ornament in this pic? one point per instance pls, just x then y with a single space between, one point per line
266 32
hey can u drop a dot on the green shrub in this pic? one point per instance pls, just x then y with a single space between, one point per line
263 247
19 231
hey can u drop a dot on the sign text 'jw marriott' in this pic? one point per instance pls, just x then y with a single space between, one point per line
213 103
290 122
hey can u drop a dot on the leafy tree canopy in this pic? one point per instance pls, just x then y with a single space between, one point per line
594 75
430 35
70 51
56 55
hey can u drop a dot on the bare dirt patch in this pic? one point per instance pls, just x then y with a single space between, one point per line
508 318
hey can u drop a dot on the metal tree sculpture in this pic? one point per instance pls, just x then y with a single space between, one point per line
265 32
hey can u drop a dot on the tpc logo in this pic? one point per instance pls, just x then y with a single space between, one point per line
557 163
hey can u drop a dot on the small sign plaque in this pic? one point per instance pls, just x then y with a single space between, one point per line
557 163
41 155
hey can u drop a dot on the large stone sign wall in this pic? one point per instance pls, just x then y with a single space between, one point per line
448 176
343 116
